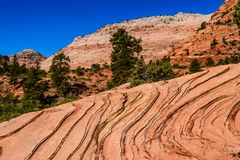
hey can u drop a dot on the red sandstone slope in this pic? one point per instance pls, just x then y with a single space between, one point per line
157 34
191 117
221 27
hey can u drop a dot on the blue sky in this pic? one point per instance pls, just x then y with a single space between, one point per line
49 25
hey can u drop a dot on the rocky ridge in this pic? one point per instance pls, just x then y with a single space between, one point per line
29 57
158 34
200 45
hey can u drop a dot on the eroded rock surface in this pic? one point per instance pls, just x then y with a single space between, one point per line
191 117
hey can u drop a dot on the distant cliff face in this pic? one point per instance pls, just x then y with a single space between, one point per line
29 57
219 39
158 34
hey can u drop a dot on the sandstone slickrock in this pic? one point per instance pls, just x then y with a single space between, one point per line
158 34
192 117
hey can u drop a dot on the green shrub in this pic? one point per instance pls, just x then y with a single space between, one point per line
106 66
227 60
234 59
179 67
214 43
236 14
218 22
195 66
80 71
9 111
9 107
203 26
210 62
220 62
224 13
152 72
95 68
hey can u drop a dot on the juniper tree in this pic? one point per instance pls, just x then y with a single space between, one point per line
59 71
152 72
160 70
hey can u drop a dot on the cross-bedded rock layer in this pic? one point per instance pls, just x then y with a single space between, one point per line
191 117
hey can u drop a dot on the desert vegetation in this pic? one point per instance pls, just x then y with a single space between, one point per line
214 43
43 89
35 85
146 115
236 14
210 62
127 66
123 58
203 26
154 71
123 123
195 66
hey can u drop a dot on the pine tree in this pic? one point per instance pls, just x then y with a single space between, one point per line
123 60
34 87
14 70
59 71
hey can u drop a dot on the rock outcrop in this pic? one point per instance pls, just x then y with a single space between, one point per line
29 57
158 34
221 29
191 117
